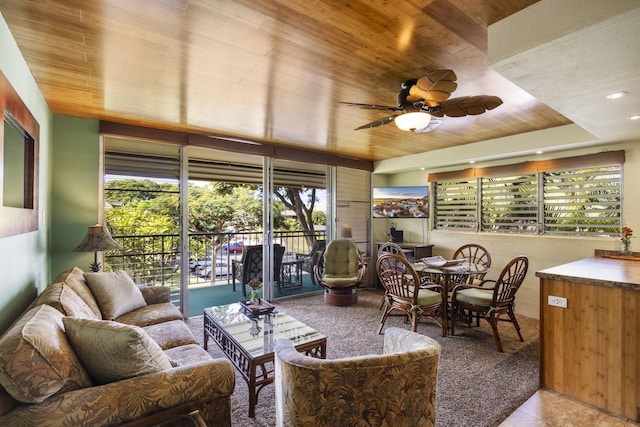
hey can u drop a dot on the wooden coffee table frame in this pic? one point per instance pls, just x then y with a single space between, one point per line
248 365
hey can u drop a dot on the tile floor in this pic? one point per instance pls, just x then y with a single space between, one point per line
549 409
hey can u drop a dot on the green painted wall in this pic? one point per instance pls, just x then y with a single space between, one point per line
75 186
24 261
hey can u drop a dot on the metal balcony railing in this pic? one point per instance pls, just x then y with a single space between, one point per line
154 259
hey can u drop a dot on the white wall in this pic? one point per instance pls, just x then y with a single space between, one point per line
542 251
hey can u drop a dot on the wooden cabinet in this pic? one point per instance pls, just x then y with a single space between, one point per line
590 349
414 251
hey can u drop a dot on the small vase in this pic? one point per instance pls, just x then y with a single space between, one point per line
254 298
625 247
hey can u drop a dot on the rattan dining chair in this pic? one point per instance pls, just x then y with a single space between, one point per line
406 293
389 248
474 254
491 303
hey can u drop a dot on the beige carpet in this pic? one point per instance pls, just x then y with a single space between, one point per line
477 386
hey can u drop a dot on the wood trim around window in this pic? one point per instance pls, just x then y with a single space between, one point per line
237 145
550 165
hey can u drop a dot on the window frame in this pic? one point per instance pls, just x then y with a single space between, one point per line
576 169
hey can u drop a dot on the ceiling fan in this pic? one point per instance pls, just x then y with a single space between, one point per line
422 102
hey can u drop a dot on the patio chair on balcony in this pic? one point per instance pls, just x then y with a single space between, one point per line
250 266
309 260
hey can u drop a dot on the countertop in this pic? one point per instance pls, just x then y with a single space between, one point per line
600 271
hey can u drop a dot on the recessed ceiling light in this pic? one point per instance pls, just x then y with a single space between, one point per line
616 95
472 161
636 117
539 152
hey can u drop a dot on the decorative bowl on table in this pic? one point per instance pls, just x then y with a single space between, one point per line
439 262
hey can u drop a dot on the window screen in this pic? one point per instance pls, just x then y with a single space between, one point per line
583 201
455 205
510 204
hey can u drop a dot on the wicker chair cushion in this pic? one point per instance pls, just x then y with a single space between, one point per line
478 297
425 297
341 259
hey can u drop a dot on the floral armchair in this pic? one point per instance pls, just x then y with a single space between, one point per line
397 388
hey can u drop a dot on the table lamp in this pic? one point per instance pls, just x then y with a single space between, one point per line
97 239
345 232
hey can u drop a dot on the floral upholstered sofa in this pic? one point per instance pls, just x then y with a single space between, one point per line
94 349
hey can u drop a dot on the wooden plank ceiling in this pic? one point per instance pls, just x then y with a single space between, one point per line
270 70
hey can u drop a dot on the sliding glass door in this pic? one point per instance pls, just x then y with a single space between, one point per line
193 213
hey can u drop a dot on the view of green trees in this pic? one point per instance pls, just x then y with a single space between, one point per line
147 209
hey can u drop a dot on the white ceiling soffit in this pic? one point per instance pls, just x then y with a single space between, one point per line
571 54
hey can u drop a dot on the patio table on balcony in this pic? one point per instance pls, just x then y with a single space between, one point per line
291 272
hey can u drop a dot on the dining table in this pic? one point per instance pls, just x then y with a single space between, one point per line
449 277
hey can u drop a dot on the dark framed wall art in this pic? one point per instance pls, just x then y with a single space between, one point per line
19 143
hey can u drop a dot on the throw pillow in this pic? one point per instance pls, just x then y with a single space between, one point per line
74 278
112 351
115 292
37 360
66 301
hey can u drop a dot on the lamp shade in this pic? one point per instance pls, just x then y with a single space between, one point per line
97 239
345 232
412 121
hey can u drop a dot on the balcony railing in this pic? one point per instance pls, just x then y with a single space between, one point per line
154 259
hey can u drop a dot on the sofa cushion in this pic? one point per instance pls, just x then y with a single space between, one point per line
74 278
155 294
66 301
170 334
151 315
115 292
111 351
7 402
36 359
187 354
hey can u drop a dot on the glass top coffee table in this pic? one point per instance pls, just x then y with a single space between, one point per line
247 340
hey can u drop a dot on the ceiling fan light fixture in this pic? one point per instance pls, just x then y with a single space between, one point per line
433 123
413 120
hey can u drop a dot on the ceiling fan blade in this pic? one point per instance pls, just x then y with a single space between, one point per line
376 123
371 106
467 106
433 88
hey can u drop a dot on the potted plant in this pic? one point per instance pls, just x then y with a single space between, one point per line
255 285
